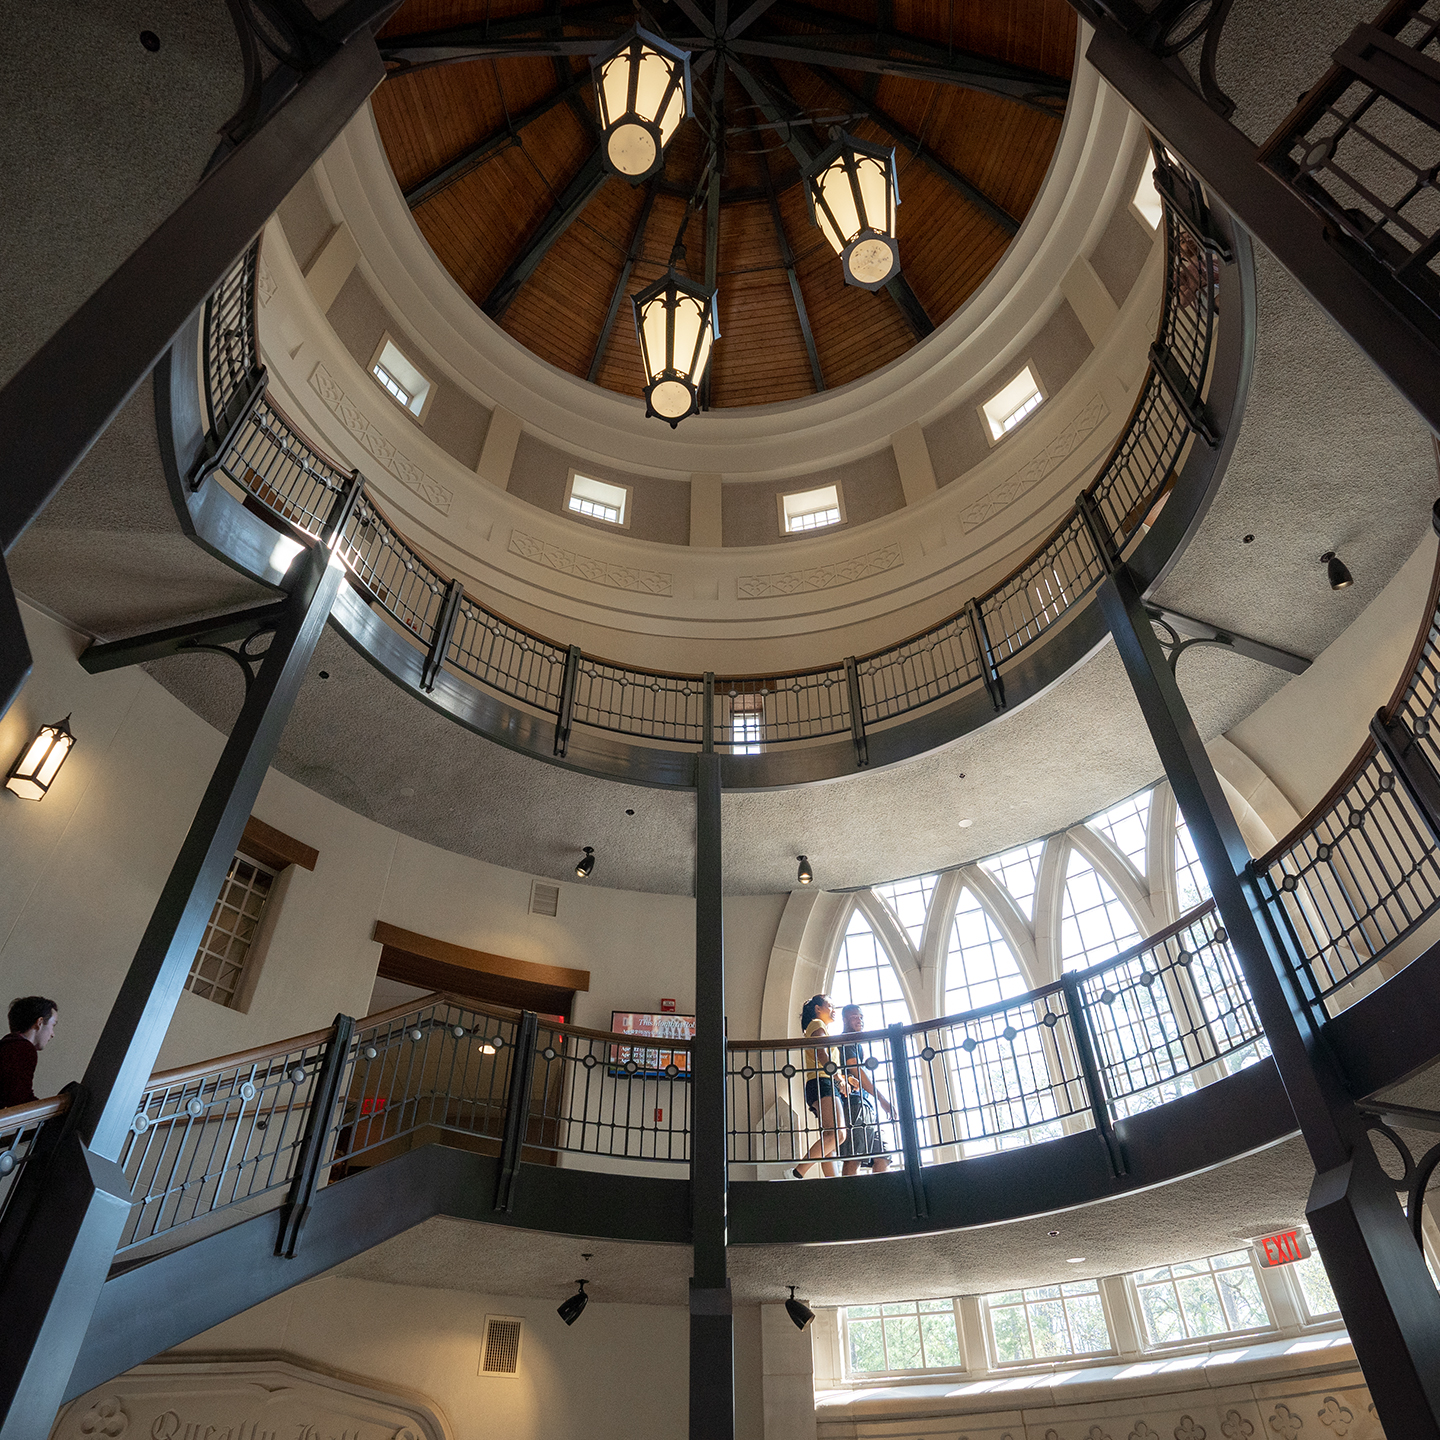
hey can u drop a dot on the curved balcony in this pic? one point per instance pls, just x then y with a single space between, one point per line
548 699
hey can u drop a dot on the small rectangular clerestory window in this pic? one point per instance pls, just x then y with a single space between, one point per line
1146 200
218 970
401 378
598 499
1013 402
807 510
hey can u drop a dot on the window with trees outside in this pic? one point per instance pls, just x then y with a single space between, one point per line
911 1335
1200 1298
1048 1320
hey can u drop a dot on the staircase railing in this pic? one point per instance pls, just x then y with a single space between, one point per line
257 449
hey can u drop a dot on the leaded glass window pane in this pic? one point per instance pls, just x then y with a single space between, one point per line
980 966
1094 923
1018 871
909 901
865 976
1125 826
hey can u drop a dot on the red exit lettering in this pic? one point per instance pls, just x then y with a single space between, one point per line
667 1007
1282 1249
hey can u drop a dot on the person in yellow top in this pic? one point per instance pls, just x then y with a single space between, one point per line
825 1090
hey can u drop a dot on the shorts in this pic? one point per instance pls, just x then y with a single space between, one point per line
814 1089
862 1137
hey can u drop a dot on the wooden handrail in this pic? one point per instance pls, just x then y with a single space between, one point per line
17 1117
1312 816
182 1073
1418 648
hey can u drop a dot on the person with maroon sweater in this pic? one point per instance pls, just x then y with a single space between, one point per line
32 1024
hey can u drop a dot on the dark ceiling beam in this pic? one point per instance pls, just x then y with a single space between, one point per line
492 144
712 198
927 157
637 244
787 256
747 17
1030 88
421 55
573 199
778 106
564 75
697 16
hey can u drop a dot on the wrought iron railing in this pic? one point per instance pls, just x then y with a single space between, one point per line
20 1130
258 450
1362 870
1360 150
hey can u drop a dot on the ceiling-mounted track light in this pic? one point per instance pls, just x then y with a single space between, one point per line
570 1310
1336 571
586 864
676 327
642 93
805 875
798 1311
853 191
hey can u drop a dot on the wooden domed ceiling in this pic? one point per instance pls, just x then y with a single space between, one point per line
487 116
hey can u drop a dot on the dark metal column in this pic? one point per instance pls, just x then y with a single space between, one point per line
712 1349
55 1262
1390 1305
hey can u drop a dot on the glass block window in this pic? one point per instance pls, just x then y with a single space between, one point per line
864 976
1125 826
1094 923
980 968
1313 1283
912 1335
1192 888
1202 1297
1018 871
219 964
1048 1320
909 902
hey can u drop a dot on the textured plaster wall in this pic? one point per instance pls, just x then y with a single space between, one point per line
80 873
618 1372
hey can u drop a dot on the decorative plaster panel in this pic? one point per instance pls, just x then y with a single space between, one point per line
1029 476
264 283
404 469
270 1398
586 567
820 577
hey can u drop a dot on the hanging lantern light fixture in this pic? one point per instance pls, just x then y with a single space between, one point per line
39 762
675 324
642 93
853 191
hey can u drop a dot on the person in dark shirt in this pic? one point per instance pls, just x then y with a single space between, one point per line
864 1144
32 1025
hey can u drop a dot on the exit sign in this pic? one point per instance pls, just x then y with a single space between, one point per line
1284 1248
667 1007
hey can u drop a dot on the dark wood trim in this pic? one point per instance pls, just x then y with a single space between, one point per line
555 976
275 848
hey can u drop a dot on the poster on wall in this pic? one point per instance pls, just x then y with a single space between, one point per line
653 1059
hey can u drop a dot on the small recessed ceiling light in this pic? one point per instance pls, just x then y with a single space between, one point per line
966 824
1248 540
629 812
324 674
1054 1233
1076 1260
150 40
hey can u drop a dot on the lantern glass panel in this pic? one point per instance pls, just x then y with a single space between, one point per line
874 179
55 759
655 71
674 113
839 199
689 316
615 87
652 328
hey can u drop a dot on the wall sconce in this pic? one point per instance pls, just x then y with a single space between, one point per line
39 763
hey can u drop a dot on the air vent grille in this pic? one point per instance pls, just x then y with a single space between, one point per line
501 1355
544 898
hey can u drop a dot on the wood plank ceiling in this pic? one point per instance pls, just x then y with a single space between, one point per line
523 124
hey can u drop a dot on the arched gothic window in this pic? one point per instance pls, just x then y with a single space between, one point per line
1094 923
865 976
1192 886
1018 871
1125 826
909 902
980 967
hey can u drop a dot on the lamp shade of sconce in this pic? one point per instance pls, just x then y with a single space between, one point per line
38 764
805 875
1336 571
585 864
570 1310
798 1311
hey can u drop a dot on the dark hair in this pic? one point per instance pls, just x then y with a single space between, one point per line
808 1009
26 1010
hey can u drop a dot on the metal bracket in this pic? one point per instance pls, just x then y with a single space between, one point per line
989 671
565 710
1158 32
1413 1183
517 1108
1184 632
444 629
857 712
323 1099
